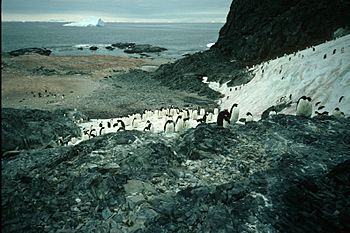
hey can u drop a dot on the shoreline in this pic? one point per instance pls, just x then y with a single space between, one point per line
100 86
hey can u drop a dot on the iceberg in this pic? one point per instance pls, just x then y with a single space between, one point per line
87 22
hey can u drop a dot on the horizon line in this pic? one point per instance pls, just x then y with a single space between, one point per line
58 21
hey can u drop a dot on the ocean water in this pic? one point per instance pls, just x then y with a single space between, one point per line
178 38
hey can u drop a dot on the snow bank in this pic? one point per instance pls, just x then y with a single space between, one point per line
321 72
87 22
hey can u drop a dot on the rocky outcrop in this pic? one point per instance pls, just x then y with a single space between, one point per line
138 48
33 129
259 30
281 174
41 51
186 74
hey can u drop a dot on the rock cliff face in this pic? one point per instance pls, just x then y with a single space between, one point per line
259 30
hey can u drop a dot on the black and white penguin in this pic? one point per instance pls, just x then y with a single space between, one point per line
60 141
273 112
334 51
223 116
234 113
179 124
101 130
337 112
341 98
318 103
135 122
148 126
304 107
169 126
109 124
186 122
101 124
194 114
321 107
249 117
204 119
122 124
325 56
92 134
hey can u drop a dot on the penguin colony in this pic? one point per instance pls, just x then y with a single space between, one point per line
174 120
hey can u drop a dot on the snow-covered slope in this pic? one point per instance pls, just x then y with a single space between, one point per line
87 22
321 72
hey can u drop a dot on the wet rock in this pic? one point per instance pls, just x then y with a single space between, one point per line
144 48
41 51
93 48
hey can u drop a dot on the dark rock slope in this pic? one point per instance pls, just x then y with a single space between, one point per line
33 129
281 174
259 30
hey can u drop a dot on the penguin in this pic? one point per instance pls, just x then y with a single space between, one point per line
204 119
91 135
304 107
121 123
60 141
169 126
72 141
249 117
186 122
337 112
101 130
179 124
272 112
341 98
234 113
148 127
101 124
313 49
325 113
202 112
325 56
210 117
318 103
223 116
290 97
108 124
194 114
135 122
85 134
321 107
334 51
216 111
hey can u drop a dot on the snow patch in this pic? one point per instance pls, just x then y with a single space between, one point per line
321 72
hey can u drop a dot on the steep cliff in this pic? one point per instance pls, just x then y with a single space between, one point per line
260 30
256 31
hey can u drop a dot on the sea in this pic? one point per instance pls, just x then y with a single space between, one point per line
179 38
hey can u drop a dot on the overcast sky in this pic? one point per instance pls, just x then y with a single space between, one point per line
117 10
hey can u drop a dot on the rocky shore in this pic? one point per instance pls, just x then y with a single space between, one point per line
281 174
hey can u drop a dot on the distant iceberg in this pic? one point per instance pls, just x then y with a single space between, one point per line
87 22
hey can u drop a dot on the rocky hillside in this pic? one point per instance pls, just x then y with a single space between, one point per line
33 129
281 174
257 31
260 30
